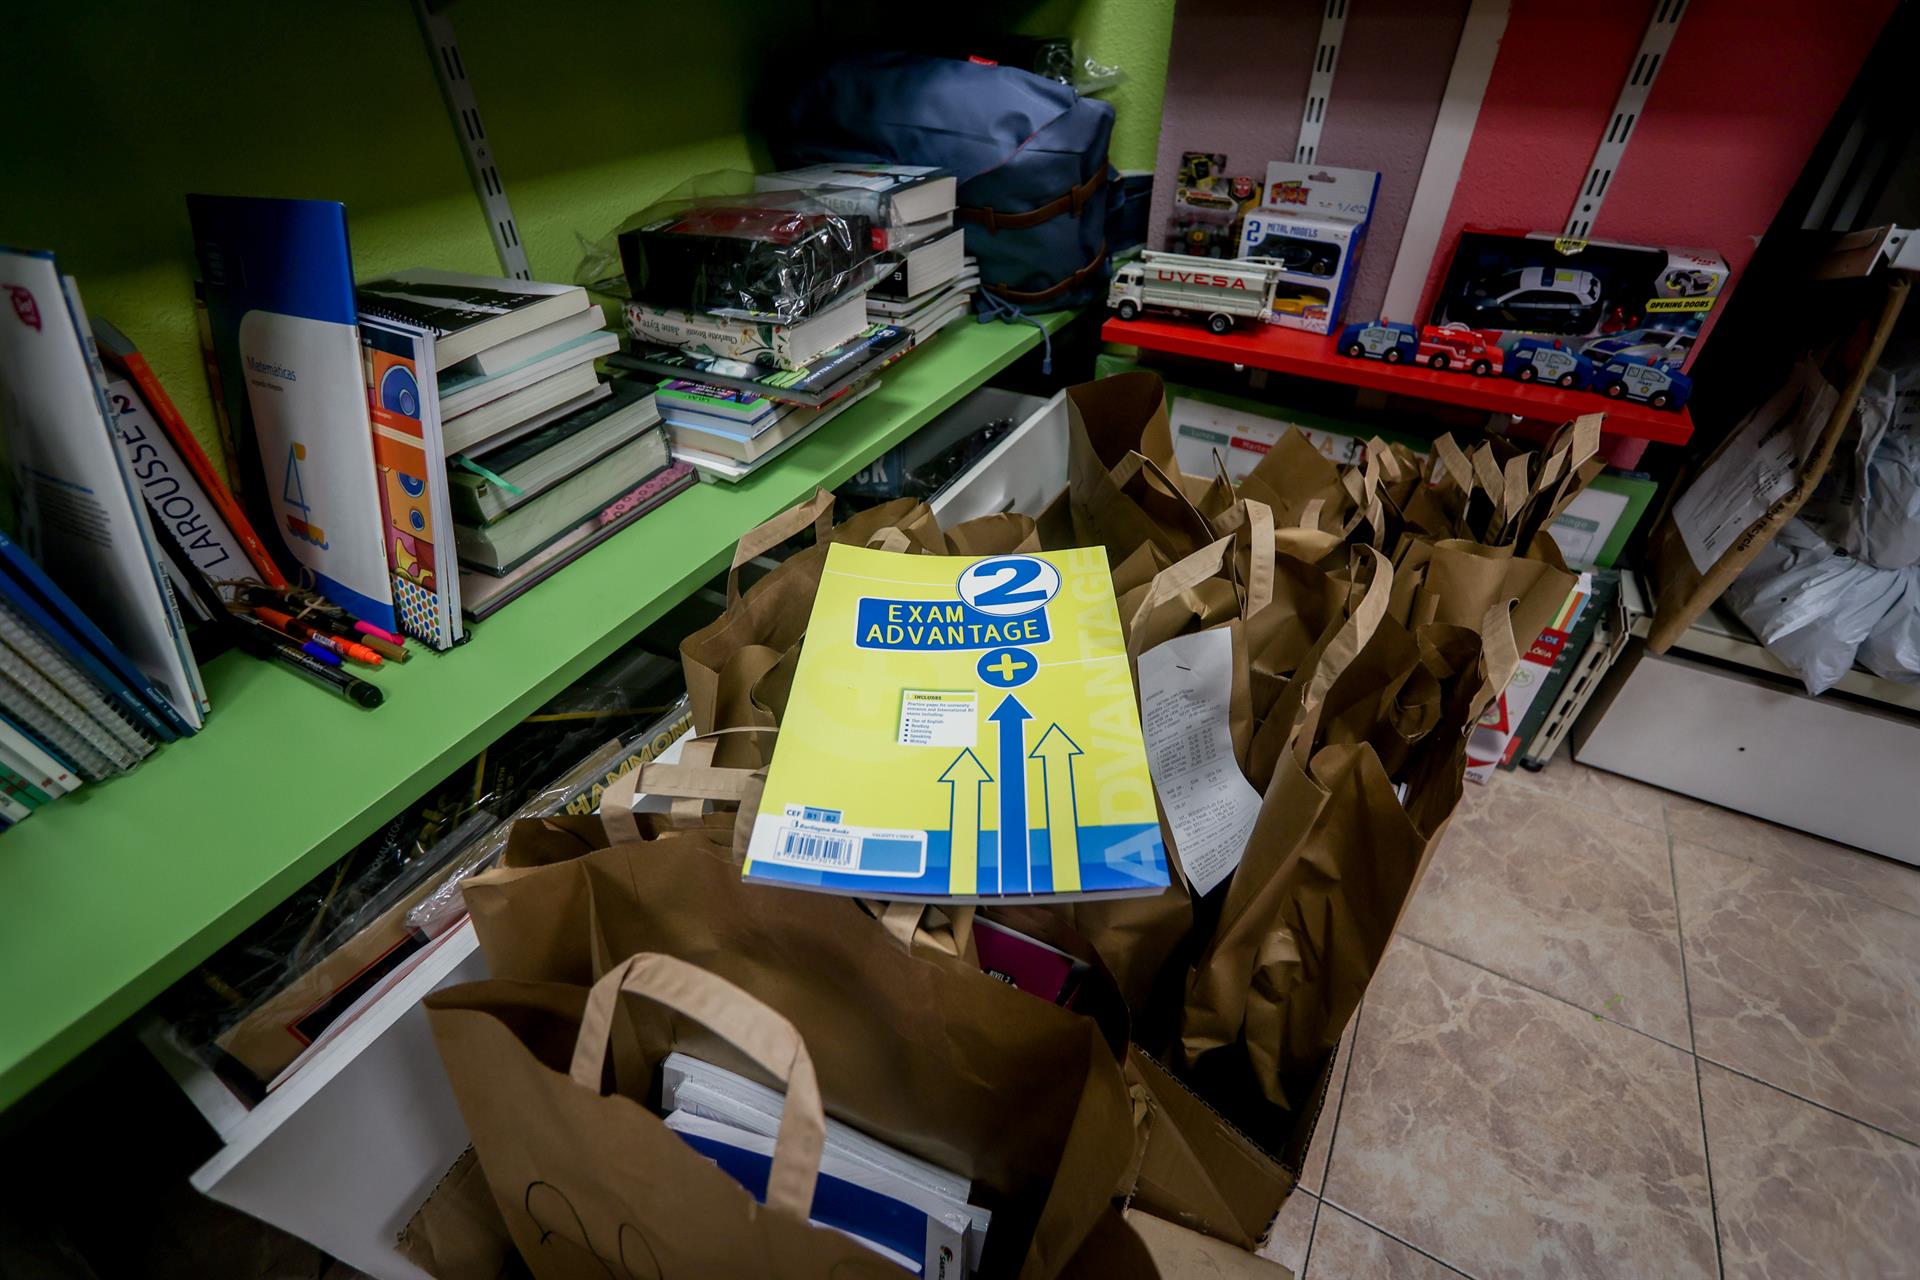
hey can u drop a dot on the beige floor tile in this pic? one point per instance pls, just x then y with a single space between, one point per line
1287 1242
1345 1248
1567 779
1314 1170
1802 1192
1566 899
1803 986
1894 884
1508 1134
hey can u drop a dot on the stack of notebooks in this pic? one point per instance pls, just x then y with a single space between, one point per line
739 391
534 456
95 669
911 1212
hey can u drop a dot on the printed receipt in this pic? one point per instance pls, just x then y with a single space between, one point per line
1185 685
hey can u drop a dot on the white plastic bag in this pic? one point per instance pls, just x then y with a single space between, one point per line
1892 651
1812 604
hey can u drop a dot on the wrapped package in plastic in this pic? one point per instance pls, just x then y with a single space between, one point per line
1886 512
1892 650
1812 604
717 245
578 790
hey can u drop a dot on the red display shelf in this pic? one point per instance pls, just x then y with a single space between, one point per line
1311 355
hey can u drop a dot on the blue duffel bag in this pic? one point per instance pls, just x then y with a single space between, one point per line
1030 155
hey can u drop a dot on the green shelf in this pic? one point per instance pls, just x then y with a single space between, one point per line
113 893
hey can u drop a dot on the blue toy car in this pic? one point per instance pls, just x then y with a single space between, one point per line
1549 360
1647 379
1380 340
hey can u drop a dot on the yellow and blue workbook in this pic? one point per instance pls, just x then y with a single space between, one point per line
961 729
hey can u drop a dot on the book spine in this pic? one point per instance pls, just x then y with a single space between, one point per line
15 783
33 761
20 639
161 405
50 699
143 526
47 728
210 363
748 340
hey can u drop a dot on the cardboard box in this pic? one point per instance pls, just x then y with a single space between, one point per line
1777 487
1312 221
1600 299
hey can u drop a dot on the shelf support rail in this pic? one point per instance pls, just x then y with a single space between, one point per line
457 91
1641 73
1326 57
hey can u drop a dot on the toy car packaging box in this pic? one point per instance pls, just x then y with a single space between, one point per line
1620 306
1209 206
1311 225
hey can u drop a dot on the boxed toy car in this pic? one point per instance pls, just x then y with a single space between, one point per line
1209 206
1311 224
1624 308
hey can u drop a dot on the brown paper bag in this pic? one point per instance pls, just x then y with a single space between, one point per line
588 1182
1121 496
739 666
918 1049
1334 856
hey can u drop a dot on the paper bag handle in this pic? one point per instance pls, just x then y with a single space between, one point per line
1354 633
903 921
742 1021
889 540
762 538
1499 652
696 779
1135 462
1185 574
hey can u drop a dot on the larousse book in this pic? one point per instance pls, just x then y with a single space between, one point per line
961 730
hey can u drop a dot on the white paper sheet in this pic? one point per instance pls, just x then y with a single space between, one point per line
1756 470
1185 687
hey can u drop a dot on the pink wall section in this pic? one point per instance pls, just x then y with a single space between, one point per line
1237 81
1739 103
1393 71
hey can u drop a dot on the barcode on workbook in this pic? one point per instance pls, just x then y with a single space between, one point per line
812 848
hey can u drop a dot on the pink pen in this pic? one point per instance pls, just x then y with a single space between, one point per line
379 633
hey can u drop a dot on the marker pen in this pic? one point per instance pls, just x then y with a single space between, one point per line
263 642
379 633
301 629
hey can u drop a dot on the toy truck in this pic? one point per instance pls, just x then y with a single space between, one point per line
1222 291
1379 340
1454 346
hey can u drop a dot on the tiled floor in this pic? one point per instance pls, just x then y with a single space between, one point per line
1626 1034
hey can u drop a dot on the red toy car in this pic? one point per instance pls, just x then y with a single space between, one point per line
1455 346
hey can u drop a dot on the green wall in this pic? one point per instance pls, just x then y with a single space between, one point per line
593 107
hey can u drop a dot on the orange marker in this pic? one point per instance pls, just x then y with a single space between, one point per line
306 631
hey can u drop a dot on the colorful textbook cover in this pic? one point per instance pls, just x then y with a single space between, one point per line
961 730
416 507
280 305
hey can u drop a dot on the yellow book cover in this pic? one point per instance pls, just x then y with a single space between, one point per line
961 729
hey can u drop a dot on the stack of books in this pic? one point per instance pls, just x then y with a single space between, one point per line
739 390
538 458
95 670
908 1210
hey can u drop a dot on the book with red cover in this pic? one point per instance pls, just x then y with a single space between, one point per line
1023 962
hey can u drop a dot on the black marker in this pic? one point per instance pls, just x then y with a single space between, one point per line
263 642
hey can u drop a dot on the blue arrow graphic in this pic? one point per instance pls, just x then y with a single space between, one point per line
1012 718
